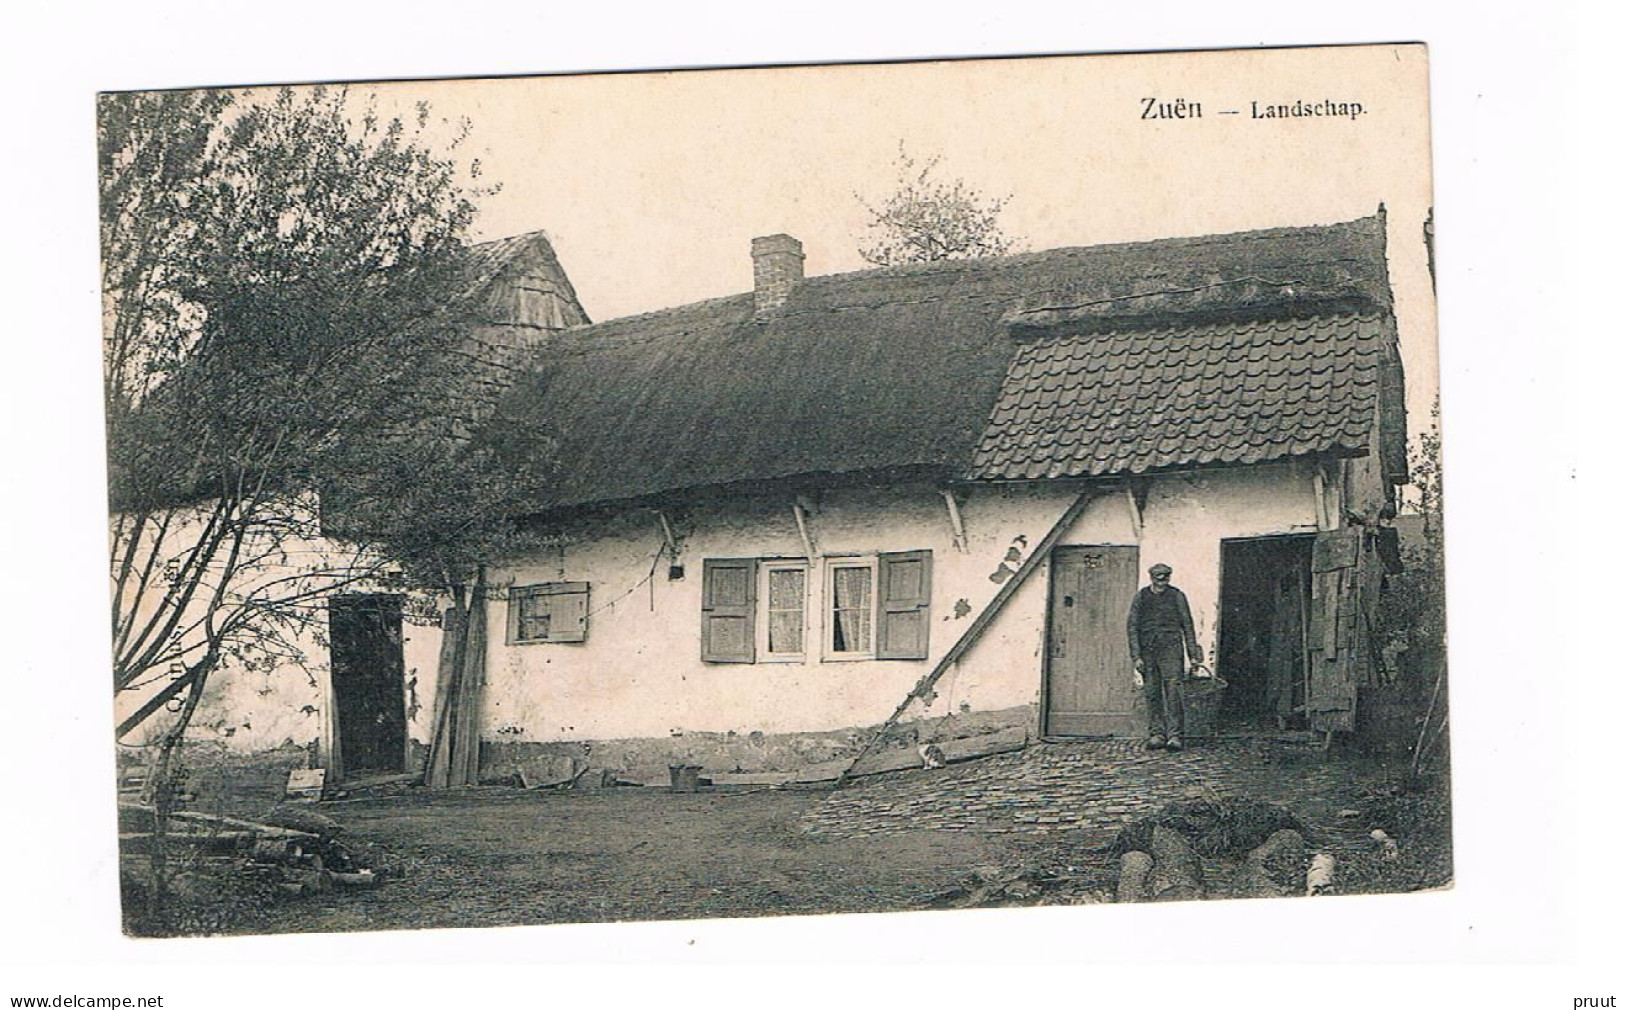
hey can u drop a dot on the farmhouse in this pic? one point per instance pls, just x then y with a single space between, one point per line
923 496
917 497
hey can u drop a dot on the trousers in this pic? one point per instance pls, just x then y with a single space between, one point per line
1164 673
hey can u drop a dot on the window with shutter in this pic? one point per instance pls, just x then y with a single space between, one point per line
903 612
728 611
547 612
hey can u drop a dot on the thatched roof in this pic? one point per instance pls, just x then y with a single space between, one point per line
902 367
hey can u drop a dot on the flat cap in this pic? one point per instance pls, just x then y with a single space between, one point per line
1161 569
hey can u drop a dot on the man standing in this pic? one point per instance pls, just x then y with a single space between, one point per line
1160 635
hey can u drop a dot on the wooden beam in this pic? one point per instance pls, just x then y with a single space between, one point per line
956 521
983 620
1134 517
671 541
801 527
1320 497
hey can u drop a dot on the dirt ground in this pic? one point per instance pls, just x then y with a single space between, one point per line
497 856
488 857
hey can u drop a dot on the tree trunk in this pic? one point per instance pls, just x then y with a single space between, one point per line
165 789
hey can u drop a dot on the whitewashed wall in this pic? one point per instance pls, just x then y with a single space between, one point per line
286 702
639 673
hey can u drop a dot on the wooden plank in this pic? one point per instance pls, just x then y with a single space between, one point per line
305 784
986 745
1336 549
824 771
727 779
892 759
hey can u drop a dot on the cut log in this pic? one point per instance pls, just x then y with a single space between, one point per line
1133 873
267 830
204 841
275 850
299 818
1176 870
1322 874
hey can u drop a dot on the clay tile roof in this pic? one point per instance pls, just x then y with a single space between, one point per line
1286 387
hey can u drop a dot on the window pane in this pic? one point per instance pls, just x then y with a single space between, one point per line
535 627
786 602
784 631
786 588
535 617
851 609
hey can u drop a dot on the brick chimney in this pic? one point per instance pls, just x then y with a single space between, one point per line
778 260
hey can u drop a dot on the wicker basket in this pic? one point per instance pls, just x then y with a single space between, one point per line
1204 698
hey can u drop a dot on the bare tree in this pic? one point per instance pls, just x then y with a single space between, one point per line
926 218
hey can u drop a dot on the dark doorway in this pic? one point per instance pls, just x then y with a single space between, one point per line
1264 595
368 675
1088 677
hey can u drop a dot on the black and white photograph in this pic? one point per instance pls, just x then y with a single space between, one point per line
750 492
898 504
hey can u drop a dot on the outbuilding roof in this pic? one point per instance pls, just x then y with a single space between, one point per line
945 365
1212 394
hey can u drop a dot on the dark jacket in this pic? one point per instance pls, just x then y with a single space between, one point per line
1165 615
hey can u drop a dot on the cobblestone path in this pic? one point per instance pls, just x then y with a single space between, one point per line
1088 788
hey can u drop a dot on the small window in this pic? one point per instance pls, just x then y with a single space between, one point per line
549 612
850 606
783 631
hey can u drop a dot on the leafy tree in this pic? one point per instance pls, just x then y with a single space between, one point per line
284 362
927 218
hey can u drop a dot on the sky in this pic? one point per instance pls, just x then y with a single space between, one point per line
651 185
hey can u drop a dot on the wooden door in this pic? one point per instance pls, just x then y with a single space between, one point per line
368 681
1089 679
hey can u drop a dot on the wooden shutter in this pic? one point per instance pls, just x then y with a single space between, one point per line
904 627
728 611
516 601
567 606
564 603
